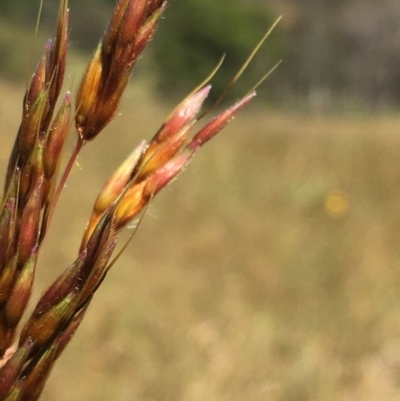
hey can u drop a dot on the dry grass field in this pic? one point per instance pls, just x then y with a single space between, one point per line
269 271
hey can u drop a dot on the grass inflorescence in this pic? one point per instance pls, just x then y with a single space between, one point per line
34 183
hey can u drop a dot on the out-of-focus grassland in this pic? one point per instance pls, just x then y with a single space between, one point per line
269 271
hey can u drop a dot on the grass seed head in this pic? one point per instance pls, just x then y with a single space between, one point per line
32 191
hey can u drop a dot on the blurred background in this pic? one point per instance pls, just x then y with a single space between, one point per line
271 269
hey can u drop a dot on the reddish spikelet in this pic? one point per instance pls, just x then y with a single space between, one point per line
36 375
38 370
64 284
97 271
108 73
58 55
88 91
118 180
164 175
110 36
100 236
21 292
30 128
147 30
132 21
182 115
64 337
10 372
7 278
56 138
218 123
30 222
158 154
42 329
7 229
130 205
38 83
